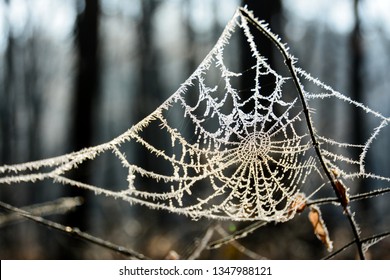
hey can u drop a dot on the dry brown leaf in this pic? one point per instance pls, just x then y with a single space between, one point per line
340 188
319 227
297 205
335 172
342 191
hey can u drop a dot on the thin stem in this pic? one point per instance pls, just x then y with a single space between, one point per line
58 206
202 244
351 198
237 235
380 235
75 232
238 246
289 63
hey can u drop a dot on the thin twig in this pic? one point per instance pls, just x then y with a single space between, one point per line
202 244
242 249
237 235
380 235
58 206
351 198
74 232
290 65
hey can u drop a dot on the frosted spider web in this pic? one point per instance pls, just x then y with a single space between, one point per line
221 151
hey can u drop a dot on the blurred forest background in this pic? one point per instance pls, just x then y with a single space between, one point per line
77 73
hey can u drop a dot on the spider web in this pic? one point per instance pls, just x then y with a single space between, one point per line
221 151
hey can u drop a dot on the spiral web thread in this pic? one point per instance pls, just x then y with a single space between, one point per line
242 155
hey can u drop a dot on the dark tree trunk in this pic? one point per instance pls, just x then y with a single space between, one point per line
85 102
87 85
6 118
357 95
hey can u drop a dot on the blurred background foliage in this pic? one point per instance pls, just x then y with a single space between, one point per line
76 73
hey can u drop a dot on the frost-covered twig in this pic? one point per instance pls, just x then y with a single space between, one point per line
289 61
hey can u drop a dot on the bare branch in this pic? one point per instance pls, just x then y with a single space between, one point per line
74 232
58 206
